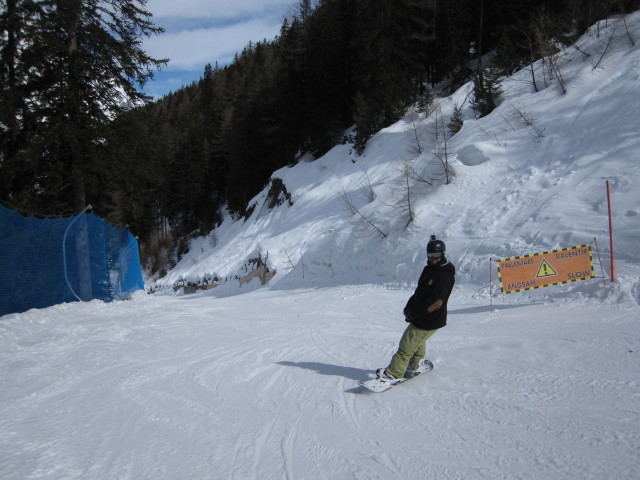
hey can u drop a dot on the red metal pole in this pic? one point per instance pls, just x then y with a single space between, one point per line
610 231
491 284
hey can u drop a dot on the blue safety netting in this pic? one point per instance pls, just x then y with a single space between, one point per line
44 262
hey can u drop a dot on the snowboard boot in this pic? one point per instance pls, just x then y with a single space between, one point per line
423 366
384 375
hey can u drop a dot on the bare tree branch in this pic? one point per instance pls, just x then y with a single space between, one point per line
402 191
524 119
360 217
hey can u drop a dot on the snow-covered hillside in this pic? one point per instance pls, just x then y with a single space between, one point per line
517 189
261 382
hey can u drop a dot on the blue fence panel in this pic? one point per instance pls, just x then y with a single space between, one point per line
49 261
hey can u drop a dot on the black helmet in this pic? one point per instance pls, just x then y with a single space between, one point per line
435 248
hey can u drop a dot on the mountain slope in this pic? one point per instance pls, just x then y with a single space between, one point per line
529 177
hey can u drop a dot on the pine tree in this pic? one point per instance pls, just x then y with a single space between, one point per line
82 65
387 68
456 121
425 101
16 20
486 91
329 96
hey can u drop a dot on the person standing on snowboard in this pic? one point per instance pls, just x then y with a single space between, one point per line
426 312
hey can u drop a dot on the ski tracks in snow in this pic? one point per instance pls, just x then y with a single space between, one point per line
264 386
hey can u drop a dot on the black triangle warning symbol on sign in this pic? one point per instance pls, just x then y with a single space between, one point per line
545 270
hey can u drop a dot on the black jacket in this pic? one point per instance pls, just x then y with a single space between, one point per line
424 309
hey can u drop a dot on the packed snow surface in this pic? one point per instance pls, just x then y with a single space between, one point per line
264 386
251 381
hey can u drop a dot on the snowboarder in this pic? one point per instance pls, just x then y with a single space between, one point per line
426 312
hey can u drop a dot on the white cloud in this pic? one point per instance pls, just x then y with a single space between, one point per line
193 49
198 32
214 9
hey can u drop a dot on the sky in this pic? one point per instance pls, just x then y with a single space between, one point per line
198 32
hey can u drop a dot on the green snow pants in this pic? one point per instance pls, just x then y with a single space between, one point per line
412 349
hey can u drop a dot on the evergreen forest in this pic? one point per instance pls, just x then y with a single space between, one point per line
75 128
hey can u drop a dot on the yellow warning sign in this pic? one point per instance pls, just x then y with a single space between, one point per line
545 269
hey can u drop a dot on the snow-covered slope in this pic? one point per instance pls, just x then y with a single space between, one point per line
517 188
250 382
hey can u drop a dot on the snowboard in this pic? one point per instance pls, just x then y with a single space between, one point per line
377 386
